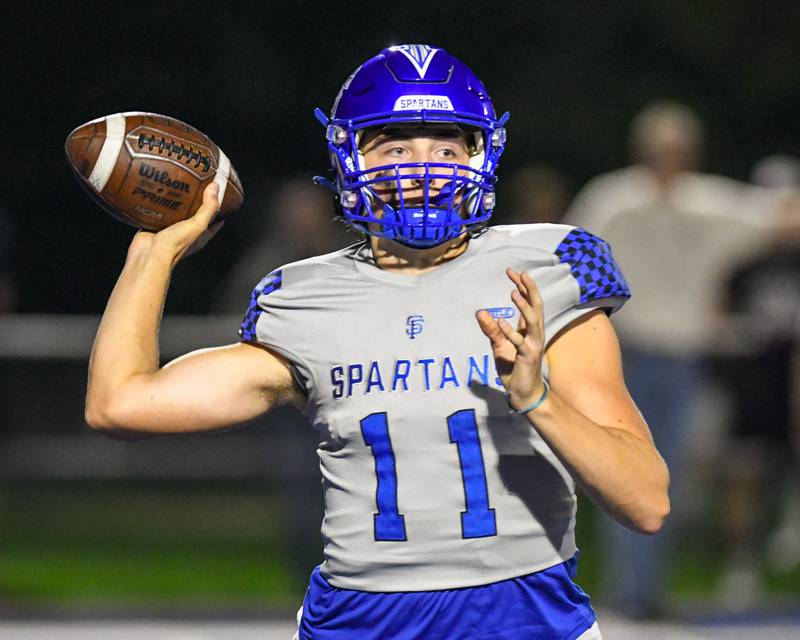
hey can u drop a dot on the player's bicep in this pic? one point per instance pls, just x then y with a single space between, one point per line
586 371
207 389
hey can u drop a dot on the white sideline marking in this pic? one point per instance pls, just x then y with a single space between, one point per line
613 629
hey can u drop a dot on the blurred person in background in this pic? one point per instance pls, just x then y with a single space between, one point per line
666 144
759 333
534 193
298 224
8 243
677 232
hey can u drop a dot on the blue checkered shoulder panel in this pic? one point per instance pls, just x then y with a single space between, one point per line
270 283
592 265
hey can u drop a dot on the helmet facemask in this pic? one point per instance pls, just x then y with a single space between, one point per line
419 204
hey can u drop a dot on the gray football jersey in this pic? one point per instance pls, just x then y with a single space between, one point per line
430 482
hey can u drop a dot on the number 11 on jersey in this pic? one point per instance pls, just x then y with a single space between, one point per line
477 520
389 523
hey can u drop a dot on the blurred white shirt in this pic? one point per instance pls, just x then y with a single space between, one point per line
694 193
676 248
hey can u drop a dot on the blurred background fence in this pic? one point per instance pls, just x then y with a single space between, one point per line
226 521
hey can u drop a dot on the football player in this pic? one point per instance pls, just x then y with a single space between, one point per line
462 378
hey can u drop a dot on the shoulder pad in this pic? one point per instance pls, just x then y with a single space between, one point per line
593 266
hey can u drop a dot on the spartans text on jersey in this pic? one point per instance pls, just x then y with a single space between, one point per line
435 373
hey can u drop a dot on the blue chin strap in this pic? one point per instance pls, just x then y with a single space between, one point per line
446 212
417 227
422 229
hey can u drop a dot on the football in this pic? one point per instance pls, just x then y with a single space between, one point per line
150 170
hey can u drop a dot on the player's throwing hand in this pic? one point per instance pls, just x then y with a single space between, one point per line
518 352
187 236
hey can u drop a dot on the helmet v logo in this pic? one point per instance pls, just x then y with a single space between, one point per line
420 55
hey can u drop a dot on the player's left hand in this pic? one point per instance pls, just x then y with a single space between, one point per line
518 352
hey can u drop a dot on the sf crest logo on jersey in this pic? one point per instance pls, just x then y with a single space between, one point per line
414 326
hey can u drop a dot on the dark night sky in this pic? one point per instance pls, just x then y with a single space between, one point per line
249 74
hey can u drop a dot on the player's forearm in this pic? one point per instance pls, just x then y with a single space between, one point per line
126 345
619 471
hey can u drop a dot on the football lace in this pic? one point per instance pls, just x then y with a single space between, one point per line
171 147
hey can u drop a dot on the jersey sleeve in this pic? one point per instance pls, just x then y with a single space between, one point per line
272 319
270 283
592 274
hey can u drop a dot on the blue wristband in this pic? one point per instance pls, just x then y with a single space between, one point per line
530 408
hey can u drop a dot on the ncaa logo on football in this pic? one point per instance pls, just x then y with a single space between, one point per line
414 326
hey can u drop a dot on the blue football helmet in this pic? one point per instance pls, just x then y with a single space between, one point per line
410 84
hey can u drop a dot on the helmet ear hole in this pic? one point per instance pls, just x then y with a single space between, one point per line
477 158
362 137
